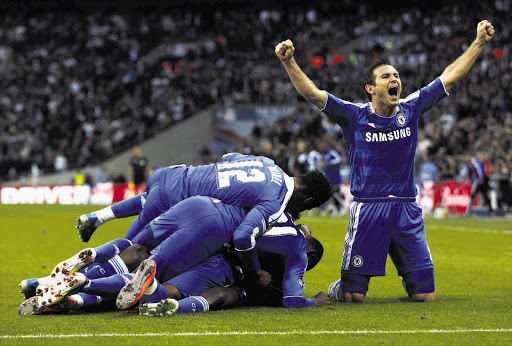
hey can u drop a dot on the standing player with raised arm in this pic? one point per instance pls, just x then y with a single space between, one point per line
381 138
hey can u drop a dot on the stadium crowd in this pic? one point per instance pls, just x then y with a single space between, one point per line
77 89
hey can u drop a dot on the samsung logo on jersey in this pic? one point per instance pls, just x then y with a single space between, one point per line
388 136
276 175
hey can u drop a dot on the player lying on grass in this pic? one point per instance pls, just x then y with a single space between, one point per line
193 231
88 264
105 260
251 182
285 251
195 220
174 239
381 138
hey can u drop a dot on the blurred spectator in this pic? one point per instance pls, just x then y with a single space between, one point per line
503 178
60 162
332 170
83 83
138 169
479 183
428 171
101 176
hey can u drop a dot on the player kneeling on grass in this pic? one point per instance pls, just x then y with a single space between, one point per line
381 139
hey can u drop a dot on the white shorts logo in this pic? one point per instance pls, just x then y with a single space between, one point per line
357 261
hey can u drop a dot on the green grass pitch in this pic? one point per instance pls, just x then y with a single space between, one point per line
473 267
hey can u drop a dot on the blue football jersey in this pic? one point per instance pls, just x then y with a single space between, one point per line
381 149
252 182
285 247
255 183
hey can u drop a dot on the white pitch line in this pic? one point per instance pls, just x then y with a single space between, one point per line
294 332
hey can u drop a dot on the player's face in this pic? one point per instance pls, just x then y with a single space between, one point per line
388 86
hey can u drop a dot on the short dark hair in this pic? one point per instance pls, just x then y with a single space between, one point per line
369 77
317 186
315 257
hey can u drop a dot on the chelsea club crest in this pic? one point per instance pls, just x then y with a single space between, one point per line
400 119
357 261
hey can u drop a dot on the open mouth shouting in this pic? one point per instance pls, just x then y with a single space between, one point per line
393 92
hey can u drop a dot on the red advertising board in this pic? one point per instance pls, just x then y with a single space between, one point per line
103 194
450 195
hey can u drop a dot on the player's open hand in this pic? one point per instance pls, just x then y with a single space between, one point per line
484 31
321 299
285 50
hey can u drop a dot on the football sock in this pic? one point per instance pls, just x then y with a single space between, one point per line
92 302
80 301
128 207
110 249
155 293
193 304
104 215
107 286
113 266
419 281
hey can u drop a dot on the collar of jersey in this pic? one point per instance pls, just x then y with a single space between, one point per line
382 116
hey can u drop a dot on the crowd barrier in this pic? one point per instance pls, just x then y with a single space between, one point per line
451 196
100 194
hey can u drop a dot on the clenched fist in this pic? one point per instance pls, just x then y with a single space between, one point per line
284 50
321 299
484 31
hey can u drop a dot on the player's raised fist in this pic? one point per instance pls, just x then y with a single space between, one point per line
485 30
284 50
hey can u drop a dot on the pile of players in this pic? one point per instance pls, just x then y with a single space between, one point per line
205 238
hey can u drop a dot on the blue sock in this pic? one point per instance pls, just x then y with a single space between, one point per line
193 304
109 286
157 295
110 249
115 265
129 207
92 302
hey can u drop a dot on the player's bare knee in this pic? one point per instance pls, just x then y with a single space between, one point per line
134 255
420 285
349 297
424 297
173 292
353 287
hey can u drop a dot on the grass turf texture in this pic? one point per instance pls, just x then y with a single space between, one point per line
473 259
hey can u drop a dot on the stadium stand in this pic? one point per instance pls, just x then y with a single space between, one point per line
81 83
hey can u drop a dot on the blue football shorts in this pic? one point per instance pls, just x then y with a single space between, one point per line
378 228
214 272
